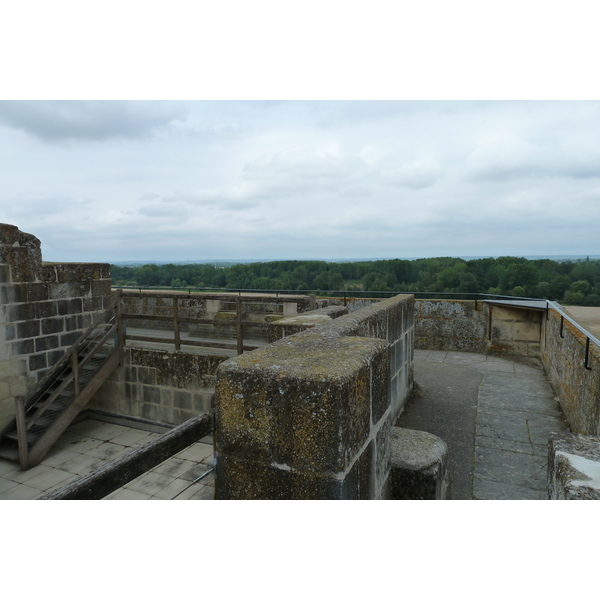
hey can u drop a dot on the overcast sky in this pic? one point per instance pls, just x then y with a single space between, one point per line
141 180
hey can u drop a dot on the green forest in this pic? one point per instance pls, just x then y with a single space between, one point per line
570 282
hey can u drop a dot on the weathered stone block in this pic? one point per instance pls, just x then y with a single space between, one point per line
239 479
21 312
149 411
166 397
22 347
169 415
304 404
418 465
37 361
68 339
4 274
380 386
6 294
383 454
44 310
93 304
43 344
18 292
50 326
37 292
28 329
182 399
132 391
150 394
288 326
146 375
69 307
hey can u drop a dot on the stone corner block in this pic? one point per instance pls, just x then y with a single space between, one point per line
303 402
574 467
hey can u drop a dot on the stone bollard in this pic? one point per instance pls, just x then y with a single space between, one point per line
418 466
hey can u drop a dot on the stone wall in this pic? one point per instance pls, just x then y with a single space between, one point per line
310 415
461 325
159 386
44 308
578 388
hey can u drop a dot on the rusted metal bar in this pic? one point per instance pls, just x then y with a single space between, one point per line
586 363
75 368
240 329
22 433
119 342
562 322
176 324
490 322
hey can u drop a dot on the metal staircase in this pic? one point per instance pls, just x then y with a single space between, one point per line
44 413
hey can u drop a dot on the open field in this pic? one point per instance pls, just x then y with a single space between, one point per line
587 316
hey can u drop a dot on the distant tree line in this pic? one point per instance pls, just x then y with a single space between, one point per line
571 282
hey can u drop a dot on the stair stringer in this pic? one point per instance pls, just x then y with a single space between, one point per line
49 438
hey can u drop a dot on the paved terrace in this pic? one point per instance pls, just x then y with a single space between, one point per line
495 414
90 444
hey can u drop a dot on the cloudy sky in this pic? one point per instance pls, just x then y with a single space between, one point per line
192 180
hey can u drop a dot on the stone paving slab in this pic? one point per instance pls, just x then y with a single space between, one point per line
485 489
89 444
497 443
513 468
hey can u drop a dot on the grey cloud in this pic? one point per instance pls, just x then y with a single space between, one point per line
89 120
223 198
157 210
219 132
304 172
414 175
335 114
38 205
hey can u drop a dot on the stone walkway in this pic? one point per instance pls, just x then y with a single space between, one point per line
90 444
495 414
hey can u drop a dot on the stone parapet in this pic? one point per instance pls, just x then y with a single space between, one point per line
469 326
309 415
577 387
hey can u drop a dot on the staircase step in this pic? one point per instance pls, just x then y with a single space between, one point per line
9 453
54 408
35 432
32 436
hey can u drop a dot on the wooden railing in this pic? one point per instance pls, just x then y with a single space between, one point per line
67 371
177 320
